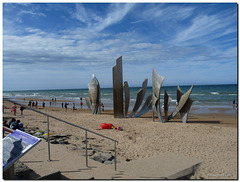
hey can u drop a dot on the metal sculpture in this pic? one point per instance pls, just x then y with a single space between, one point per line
127 98
184 104
146 107
88 104
121 106
167 101
157 81
94 95
118 89
140 97
186 108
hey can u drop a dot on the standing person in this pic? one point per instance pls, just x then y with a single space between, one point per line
62 104
33 103
66 106
74 106
102 107
36 104
21 109
43 104
30 103
14 109
50 104
81 102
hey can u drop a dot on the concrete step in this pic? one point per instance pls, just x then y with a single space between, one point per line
62 161
162 166
67 164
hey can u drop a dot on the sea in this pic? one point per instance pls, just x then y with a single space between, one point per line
205 97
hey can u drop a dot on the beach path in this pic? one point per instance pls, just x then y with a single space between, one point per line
67 164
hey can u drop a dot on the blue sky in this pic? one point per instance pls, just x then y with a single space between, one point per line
60 45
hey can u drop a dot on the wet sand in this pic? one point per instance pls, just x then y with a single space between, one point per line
212 138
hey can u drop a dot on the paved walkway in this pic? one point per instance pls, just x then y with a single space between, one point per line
67 164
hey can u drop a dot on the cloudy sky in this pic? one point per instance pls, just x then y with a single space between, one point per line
60 45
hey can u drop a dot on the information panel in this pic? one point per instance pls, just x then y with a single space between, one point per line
15 145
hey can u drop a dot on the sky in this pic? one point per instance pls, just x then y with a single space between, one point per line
60 45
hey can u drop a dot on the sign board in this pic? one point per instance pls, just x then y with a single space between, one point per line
15 145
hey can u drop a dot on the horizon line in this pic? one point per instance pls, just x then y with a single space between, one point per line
112 88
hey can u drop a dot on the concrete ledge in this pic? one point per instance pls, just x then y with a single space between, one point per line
53 176
163 166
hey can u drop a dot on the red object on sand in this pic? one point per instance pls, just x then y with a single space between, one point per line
107 126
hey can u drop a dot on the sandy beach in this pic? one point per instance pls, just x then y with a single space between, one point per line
212 138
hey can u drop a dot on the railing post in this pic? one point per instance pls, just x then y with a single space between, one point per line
6 99
115 155
86 148
48 139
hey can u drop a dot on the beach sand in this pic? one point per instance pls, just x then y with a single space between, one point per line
212 138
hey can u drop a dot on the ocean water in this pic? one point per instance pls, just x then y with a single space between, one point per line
205 97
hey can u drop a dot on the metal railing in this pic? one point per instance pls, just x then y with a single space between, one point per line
86 130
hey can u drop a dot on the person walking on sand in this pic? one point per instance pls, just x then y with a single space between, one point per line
21 109
14 109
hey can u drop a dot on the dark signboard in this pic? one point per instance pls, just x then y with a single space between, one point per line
15 145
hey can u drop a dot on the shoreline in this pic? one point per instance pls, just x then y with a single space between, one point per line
195 108
222 116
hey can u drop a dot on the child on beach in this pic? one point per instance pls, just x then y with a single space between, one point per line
74 106
14 109
11 122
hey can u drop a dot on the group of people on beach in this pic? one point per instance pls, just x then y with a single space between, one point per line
14 109
14 124
31 103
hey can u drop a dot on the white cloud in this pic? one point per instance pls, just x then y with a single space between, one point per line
206 28
81 14
162 13
116 12
31 13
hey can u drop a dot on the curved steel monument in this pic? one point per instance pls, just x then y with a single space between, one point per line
121 97
157 81
184 104
120 105
94 101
